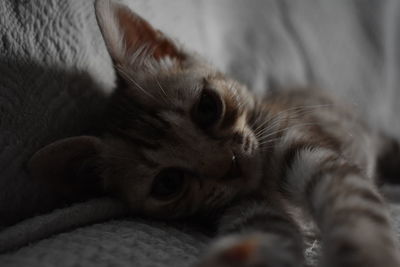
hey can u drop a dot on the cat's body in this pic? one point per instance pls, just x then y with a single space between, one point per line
183 139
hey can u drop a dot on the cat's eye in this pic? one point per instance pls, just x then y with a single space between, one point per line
168 183
208 111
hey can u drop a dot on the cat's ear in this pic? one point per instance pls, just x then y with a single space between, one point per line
69 167
131 41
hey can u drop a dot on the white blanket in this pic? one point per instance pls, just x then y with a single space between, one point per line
55 75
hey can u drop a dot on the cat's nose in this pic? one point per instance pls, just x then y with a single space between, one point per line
244 142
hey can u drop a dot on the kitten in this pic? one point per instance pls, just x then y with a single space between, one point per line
183 139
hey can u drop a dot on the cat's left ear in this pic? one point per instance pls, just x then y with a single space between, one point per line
131 41
70 167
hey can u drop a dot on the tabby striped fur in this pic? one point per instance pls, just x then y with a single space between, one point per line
260 160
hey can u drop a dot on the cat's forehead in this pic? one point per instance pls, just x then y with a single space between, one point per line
181 89
178 89
188 83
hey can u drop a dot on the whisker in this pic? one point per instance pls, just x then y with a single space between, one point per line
269 141
273 124
298 110
131 80
165 97
285 129
265 148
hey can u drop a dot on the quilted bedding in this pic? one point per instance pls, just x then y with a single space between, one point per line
56 75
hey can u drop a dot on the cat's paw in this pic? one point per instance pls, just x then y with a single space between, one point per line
255 250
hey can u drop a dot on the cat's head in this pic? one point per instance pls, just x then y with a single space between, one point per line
178 136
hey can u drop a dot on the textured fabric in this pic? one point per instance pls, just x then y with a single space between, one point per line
40 227
119 242
56 74
114 243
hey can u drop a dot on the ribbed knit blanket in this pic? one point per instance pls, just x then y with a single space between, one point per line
55 76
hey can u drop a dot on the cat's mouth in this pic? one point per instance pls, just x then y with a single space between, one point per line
234 171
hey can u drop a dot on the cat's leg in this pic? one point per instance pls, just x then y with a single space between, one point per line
256 234
351 214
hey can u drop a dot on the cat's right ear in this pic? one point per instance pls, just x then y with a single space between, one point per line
132 42
70 167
